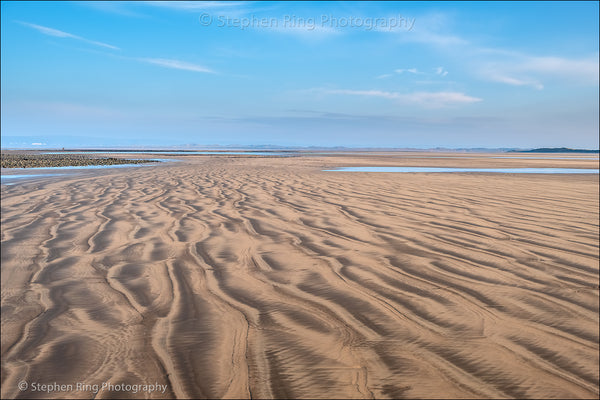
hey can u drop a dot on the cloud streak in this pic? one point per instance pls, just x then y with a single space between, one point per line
411 70
438 71
62 34
441 71
523 70
307 30
516 81
177 64
163 62
196 5
428 99
497 64
431 29
581 69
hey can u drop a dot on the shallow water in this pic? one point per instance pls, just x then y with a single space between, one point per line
492 170
8 179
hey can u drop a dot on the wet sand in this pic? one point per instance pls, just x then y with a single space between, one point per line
266 277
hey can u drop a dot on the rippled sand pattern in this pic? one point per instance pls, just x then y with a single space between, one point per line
233 277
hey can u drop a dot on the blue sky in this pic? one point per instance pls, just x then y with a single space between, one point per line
351 74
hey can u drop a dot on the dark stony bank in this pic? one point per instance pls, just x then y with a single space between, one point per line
555 150
60 160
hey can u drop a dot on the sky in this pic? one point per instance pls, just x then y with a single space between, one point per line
353 74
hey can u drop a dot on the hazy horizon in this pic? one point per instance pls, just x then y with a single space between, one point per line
27 145
356 75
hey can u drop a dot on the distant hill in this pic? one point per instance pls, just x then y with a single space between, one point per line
554 150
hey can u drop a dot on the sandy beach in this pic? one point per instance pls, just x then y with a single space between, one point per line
268 277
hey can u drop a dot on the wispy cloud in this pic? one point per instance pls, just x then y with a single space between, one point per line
428 99
581 69
132 8
369 93
439 98
61 34
516 81
121 8
441 71
431 29
411 70
163 62
497 64
304 30
438 71
247 16
523 70
196 5
177 64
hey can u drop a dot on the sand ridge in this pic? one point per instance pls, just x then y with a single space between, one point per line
237 277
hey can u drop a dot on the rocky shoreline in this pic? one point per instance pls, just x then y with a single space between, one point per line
61 160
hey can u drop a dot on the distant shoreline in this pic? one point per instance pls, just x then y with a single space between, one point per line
300 149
